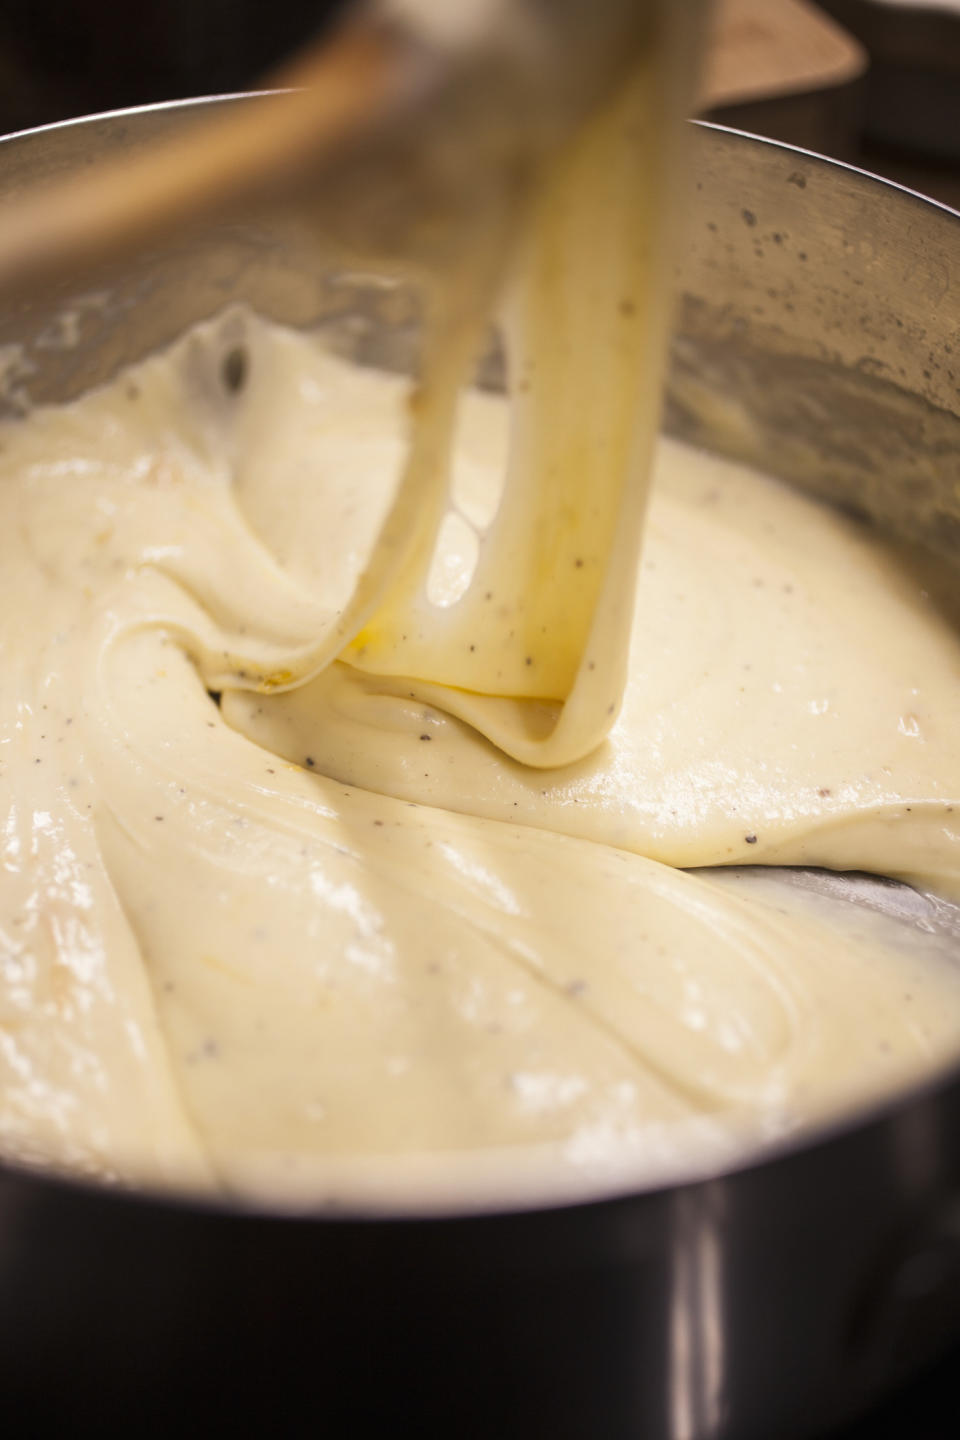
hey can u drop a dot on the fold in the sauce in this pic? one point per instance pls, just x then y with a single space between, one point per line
330 942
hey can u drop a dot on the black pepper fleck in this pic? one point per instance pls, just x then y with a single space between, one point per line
234 370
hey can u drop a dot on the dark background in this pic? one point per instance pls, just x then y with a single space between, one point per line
63 58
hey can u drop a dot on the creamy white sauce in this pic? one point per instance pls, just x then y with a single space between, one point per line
329 944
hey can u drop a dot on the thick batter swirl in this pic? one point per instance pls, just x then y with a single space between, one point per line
330 943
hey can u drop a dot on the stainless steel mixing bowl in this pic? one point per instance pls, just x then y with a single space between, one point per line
819 337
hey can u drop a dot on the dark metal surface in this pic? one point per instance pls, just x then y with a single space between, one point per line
816 337
762 1304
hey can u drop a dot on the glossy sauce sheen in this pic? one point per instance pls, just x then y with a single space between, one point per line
328 944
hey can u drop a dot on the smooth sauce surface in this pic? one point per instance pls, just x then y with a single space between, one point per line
329 943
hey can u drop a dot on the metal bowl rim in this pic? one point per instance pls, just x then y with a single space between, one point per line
856 1121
